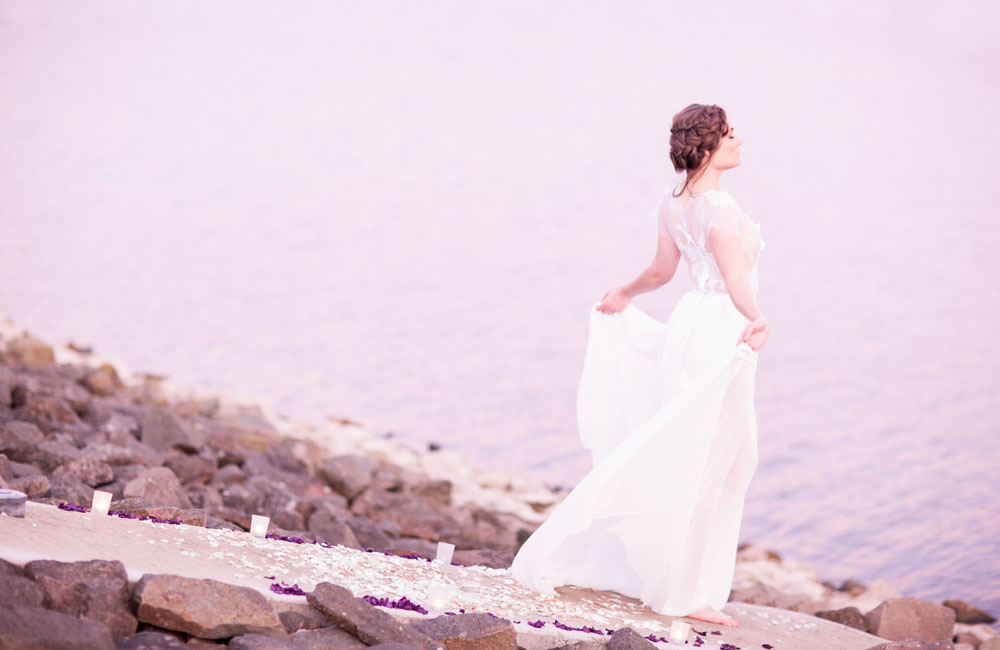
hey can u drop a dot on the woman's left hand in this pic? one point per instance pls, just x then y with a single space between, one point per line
755 334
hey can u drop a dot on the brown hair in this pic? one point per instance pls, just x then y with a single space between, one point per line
694 135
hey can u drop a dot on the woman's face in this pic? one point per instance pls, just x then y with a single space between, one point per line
727 155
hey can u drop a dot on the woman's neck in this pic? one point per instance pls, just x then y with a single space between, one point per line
709 180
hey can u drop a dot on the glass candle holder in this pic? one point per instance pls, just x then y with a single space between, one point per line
258 525
101 504
445 552
679 632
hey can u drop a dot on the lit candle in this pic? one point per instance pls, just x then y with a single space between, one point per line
258 525
102 502
679 631
445 552
438 599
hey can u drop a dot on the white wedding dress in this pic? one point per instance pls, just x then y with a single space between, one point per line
668 413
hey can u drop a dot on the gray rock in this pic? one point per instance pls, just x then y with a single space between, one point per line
20 470
208 609
469 632
190 467
33 628
67 487
103 381
969 614
108 454
301 617
6 472
323 523
436 490
150 641
158 486
628 639
393 646
204 497
163 430
348 475
96 589
34 486
279 466
990 644
909 618
18 439
6 386
48 412
50 454
18 591
92 472
414 516
327 638
228 475
484 557
368 534
258 642
850 616
368 623
31 352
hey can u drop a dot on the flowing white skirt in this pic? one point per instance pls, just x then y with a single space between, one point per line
668 412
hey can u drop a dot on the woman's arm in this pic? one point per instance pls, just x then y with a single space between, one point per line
732 263
654 276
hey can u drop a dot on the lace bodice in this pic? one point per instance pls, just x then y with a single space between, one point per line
688 226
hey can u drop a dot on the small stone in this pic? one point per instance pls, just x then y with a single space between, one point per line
850 616
348 475
969 614
19 591
628 639
12 503
163 430
484 557
300 617
323 523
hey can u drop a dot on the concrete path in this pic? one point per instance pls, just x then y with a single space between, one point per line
47 532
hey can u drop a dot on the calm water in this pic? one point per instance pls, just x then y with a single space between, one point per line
402 212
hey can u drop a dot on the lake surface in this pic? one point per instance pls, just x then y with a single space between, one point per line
401 213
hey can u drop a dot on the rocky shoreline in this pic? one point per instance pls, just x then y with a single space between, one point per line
71 423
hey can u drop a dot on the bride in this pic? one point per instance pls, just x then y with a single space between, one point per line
667 409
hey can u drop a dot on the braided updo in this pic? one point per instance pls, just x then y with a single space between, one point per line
694 136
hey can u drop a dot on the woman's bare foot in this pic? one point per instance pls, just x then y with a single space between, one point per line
711 615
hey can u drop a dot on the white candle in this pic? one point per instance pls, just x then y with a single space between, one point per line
679 631
445 552
438 599
258 525
102 502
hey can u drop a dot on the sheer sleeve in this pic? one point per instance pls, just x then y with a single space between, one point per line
724 214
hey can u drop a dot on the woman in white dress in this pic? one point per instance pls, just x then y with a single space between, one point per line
667 409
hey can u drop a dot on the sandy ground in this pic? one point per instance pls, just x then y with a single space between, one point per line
239 558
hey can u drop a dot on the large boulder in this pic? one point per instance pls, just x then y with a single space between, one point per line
18 440
969 614
33 628
327 638
190 468
348 475
90 471
158 486
205 608
324 524
363 620
96 589
469 632
31 352
67 487
258 642
49 412
163 430
35 486
909 618
52 453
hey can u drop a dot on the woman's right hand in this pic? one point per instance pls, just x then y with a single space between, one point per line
755 334
614 301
